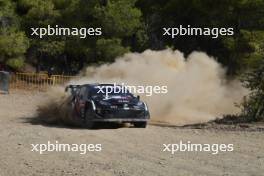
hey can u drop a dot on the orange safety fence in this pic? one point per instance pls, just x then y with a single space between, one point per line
37 81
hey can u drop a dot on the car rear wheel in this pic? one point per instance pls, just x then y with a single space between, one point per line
89 124
88 119
140 124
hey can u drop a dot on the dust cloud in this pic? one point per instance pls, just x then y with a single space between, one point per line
198 90
56 107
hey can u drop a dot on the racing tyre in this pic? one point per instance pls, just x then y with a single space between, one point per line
88 122
140 124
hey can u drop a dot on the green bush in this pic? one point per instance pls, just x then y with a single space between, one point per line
109 49
253 105
15 63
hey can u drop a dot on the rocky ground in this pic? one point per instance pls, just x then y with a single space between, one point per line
125 151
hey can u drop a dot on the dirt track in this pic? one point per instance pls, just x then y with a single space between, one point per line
126 151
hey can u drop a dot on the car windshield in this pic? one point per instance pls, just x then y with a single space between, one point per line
110 91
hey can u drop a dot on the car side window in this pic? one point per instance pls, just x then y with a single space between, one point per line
77 92
88 92
82 92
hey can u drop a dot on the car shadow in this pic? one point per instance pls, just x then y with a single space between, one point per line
98 126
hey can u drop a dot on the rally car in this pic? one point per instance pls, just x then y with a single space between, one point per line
92 103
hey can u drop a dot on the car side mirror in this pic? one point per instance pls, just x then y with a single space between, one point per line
138 97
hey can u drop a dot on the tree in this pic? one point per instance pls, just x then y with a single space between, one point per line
121 24
120 20
238 52
36 14
253 105
13 42
109 49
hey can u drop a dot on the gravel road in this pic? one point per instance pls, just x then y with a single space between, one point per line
125 151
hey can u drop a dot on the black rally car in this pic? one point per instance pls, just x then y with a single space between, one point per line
93 103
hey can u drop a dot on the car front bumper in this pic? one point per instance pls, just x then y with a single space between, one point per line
120 120
120 115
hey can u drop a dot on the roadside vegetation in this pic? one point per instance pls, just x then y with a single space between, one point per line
128 25
253 105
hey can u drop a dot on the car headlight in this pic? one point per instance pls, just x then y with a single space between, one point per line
104 103
146 107
140 103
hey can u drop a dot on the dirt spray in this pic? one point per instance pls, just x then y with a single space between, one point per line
198 90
